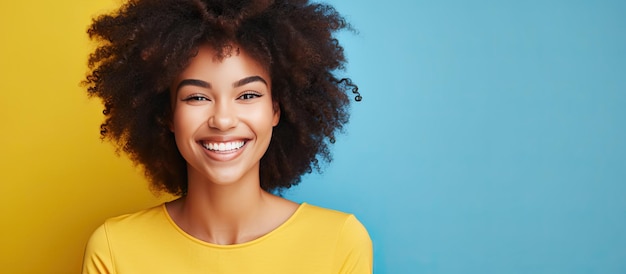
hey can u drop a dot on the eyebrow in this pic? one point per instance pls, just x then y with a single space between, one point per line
193 82
249 80
203 84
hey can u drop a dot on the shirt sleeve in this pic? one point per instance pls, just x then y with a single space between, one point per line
97 258
354 249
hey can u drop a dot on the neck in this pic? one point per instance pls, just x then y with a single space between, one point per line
224 204
221 213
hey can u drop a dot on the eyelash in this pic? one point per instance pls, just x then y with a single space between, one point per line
196 97
249 96
245 96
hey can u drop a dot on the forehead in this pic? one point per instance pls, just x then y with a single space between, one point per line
210 63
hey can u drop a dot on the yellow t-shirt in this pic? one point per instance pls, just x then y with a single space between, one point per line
312 240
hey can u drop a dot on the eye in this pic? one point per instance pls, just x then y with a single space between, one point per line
249 95
196 98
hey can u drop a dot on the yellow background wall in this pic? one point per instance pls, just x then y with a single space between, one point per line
58 180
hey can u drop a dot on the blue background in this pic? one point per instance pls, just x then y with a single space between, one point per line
491 137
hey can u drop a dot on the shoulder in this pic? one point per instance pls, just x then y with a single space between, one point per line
138 220
351 241
340 221
128 223
350 230
116 234
321 220
308 211
97 257
140 228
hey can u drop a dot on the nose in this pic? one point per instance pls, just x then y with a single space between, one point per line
223 116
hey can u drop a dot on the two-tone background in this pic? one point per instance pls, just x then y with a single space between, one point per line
491 137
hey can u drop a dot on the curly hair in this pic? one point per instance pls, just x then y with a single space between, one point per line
145 44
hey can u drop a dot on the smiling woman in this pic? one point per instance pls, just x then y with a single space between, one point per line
223 115
224 103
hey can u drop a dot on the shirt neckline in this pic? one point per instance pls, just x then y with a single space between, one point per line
239 245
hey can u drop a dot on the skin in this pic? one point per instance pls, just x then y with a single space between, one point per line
225 103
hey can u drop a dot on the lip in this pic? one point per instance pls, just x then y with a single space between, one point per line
223 156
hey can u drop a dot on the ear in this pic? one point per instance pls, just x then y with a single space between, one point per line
276 117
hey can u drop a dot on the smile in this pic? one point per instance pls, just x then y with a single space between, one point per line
223 146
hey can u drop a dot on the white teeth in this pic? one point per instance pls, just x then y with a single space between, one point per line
224 146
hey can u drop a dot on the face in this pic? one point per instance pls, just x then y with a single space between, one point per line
223 117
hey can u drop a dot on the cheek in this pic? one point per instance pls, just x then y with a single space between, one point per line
266 117
185 121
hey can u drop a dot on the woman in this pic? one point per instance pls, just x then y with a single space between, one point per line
225 104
